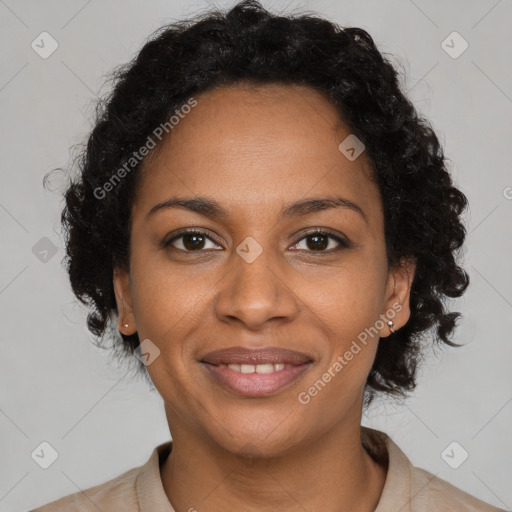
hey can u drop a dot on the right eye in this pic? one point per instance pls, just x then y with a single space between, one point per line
191 241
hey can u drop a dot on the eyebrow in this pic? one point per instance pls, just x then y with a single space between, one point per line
212 209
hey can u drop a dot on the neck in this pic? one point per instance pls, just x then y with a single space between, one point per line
331 473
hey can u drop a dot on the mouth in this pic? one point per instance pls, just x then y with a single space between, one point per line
264 368
256 372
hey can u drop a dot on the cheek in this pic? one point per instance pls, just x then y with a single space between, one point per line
347 304
169 309
162 305
166 296
348 300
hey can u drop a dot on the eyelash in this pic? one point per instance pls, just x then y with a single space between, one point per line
342 243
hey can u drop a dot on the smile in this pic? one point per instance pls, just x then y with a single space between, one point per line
258 368
259 380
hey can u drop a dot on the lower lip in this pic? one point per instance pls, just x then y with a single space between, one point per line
255 384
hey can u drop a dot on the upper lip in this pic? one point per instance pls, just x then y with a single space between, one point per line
267 355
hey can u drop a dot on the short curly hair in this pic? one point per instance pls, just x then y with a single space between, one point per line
248 44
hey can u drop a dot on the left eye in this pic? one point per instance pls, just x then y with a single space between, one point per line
319 241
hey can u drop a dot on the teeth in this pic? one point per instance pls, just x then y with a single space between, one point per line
265 368
258 368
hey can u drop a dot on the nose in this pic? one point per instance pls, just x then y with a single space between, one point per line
256 293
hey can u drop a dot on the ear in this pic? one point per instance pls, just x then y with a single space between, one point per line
126 320
398 291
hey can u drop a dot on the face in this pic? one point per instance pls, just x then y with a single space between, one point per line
264 267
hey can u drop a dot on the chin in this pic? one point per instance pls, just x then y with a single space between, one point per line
246 437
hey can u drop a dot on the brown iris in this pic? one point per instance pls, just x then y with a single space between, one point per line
320 242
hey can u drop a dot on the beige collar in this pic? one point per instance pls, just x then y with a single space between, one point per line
151 494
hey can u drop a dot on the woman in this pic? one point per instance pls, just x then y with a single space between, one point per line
271 227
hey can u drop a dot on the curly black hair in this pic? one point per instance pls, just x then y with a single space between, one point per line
248 44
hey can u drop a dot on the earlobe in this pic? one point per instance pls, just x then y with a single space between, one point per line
398 311
126 319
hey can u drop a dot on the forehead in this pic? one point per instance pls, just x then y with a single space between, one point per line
265 145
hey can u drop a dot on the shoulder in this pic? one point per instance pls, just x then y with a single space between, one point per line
428 492
412 489
106 496
139 488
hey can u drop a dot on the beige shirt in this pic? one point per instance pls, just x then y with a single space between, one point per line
407 488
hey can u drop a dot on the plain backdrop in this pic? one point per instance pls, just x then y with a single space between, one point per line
55 387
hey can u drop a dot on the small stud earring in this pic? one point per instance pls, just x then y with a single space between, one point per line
125 325
390 324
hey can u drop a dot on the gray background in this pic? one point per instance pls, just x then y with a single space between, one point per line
56 387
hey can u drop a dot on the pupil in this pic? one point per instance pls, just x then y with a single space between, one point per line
195 244
320 242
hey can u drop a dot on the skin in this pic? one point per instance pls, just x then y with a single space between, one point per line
256 150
